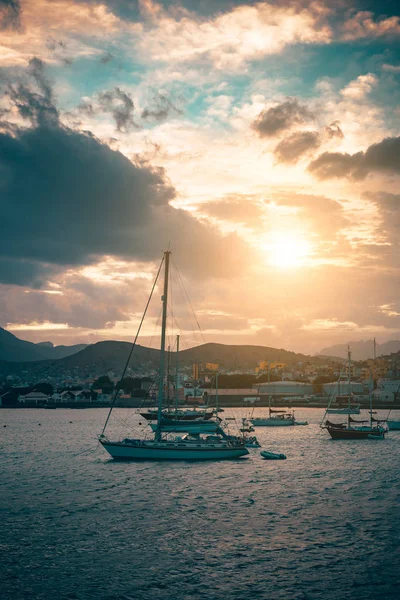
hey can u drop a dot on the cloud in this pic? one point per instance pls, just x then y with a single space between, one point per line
37 106
160 109
10 14
248 210
279 118
120 105
68 199
290 149
360 87
231 38
381 157
391 68
363 25
333 130
78 25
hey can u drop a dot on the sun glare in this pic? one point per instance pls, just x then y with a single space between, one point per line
287 250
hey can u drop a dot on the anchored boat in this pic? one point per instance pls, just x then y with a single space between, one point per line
353 429
163 447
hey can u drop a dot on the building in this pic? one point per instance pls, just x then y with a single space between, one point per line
285 388
33 399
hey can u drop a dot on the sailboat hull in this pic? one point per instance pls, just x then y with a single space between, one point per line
272 422
187 426
172 451
354 434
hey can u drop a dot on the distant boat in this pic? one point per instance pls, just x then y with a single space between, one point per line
353 429
162 447
272 455
181 414
281 419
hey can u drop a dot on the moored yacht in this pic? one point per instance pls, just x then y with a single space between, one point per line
196 447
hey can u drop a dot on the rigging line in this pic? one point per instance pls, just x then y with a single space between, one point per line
133 345
184 289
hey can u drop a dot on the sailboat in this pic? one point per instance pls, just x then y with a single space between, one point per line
276 418
162 447
354 429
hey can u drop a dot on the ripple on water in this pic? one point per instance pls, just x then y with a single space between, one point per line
324 524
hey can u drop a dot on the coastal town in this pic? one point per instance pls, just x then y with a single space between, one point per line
308 384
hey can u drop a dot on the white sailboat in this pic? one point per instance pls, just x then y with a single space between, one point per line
276 418
188 447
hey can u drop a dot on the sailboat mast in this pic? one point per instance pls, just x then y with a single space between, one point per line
269 391
216 393
162 349
348 383
177 374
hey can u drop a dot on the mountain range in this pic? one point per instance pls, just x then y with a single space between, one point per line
102 357
14 349
362 349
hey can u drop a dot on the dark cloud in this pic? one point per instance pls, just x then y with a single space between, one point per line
291 148
10 14
282 117
59 50
37 106
120 105
106 58
383 156
68 199
160 109
333 130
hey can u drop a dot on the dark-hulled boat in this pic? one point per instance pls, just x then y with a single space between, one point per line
354 429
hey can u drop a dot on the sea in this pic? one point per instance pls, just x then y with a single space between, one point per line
323 524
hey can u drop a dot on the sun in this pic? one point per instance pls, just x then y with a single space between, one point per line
287 250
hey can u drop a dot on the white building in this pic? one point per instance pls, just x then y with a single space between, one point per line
285 388
33 398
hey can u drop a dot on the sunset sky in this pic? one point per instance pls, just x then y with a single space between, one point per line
261 140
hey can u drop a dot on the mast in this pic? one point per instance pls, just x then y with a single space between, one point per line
168 374
176 375
269 391
371 387
216 393
348 384
167 254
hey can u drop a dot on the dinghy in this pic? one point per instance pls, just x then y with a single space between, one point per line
272 455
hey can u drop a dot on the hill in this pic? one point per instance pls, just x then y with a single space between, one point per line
13 349
361 349
103 357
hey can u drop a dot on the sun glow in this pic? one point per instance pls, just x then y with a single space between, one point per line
287 250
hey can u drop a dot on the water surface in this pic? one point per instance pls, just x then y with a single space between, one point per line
324 524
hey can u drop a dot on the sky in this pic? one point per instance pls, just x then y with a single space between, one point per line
259 141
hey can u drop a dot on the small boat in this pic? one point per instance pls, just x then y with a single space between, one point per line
272 455
301 423
354 429
252 442
276 418
182 414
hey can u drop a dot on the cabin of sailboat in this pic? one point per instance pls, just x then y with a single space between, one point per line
166 445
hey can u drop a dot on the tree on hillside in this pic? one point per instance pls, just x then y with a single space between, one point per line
104 384
44 387
128 384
